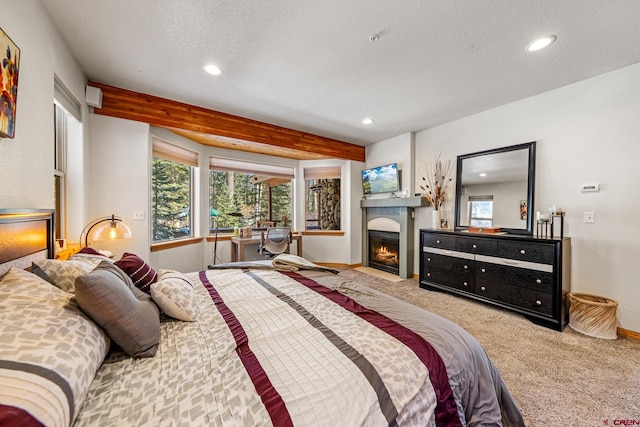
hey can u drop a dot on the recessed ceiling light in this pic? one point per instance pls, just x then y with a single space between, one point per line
483 174
540 43
367 121
212 69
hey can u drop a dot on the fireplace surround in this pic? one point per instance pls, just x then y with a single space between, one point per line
392 215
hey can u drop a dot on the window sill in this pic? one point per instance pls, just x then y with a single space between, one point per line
175 243
322 233
221 237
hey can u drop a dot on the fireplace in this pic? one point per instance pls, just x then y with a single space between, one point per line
392 215
384 251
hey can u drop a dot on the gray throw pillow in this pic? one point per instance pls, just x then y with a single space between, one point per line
128 315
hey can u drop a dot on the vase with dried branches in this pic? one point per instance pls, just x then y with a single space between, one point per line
435 182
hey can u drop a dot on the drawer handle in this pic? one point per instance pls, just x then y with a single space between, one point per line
475 246
483 270
538 302
483 288
538 281
437 241
428 259
465 283
428 274
522 251
466 267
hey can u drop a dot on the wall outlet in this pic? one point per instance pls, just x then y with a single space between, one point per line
138 215
589 217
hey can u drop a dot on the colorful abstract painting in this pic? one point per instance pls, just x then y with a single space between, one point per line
9 67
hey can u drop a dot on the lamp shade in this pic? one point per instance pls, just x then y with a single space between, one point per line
111 230
105 228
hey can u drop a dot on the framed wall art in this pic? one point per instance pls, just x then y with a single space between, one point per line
523 209
9 67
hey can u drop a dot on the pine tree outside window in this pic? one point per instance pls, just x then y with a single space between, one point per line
172 172
246 193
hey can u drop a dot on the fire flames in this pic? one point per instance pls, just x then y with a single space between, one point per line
386 256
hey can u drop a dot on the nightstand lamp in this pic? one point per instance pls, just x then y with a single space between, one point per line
106 228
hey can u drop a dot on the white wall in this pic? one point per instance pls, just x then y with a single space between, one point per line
400 150
26 161
586 132
119 179
343 249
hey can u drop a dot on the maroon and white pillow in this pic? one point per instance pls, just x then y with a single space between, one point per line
140 272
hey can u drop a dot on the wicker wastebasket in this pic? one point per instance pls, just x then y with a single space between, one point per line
593 315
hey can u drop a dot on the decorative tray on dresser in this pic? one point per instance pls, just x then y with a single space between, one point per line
521 273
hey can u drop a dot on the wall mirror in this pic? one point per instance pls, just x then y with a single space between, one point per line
495 188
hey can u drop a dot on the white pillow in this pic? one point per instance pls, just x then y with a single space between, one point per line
174 294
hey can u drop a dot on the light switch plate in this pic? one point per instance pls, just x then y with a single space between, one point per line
589 217
138 215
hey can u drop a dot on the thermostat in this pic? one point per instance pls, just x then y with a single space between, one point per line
587 188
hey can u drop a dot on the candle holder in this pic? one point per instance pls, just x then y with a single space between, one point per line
560 217
543 227
545 223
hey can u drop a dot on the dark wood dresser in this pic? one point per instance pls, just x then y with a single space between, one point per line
525 274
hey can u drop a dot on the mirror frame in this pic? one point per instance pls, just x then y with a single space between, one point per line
531 147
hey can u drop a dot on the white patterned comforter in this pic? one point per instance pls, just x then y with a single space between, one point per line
274 348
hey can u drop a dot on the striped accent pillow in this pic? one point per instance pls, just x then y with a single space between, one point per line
140 272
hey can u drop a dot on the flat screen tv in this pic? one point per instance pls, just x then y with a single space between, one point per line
381 179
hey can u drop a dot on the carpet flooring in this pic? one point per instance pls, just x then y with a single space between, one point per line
558 378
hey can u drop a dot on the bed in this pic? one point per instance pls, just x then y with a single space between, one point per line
284 343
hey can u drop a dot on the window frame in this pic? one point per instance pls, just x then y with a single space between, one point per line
472 219
255 172
315 174
168 152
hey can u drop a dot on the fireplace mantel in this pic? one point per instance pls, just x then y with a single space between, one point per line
395 202
400 209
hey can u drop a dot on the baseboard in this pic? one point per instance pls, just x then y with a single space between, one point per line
629 334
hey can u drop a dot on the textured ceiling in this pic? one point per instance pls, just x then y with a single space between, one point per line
309 64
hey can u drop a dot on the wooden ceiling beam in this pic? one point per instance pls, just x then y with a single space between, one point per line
162 112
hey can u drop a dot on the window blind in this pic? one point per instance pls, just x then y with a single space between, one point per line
167 151
325 172
480 198
241 166
64 97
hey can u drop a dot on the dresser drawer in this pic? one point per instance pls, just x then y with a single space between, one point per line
525 251
441 241
537 302
448 263
477 246
462 281
534 280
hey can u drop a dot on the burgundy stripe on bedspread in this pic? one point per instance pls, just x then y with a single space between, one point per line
270 397
446 410
16 417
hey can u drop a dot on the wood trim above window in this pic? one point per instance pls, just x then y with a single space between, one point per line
208 127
